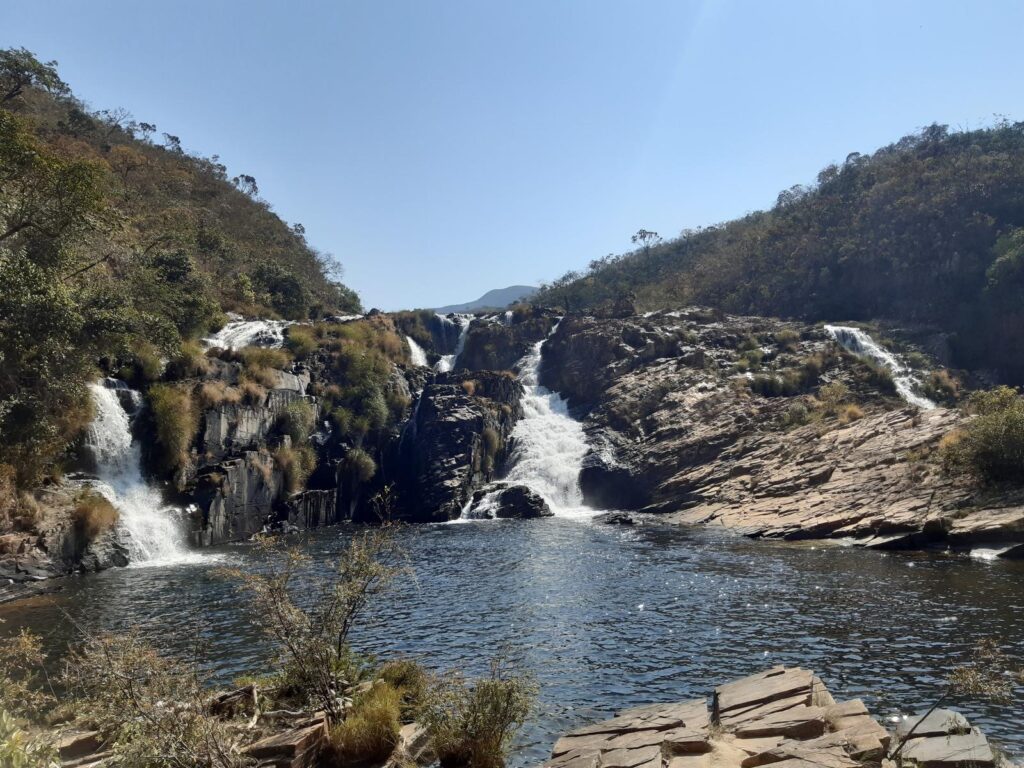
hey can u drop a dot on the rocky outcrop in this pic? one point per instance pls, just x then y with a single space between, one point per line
505 501
717 419
234 499
494 344
783 716
456 441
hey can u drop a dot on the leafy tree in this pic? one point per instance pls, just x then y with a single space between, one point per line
20 69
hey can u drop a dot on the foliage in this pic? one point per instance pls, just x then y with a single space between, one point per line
176 422
297 421
114 249
311 635
93 514
151 708
369 732
991 445
472 723
926 230
942 386
19 749
409 678
361 465
20 693
297 462
832 396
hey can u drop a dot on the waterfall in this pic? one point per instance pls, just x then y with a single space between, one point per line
239 333
416 353
447 362
152 529
548 445
862 345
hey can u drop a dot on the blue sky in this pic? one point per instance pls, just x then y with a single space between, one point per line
440 149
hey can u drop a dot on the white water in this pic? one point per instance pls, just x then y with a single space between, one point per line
239 333
549 446
859 343
447 362
416 353
152 529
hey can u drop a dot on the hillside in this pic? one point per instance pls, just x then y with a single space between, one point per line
497 298
117 248
926 231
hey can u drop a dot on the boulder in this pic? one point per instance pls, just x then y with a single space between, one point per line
502 500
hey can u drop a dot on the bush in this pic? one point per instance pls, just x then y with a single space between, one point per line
191 362
991 445
788 339
469 387
369 732
297 463
361 465
795 416
411 681
18 749
297 421
93 514
942 387
832 395
472 724
849 413
176 422
214 393
301 341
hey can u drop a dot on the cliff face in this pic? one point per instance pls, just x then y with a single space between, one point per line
764 427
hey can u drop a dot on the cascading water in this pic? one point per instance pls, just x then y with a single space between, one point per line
152 529
416 353
447 362
549 446
859 343
239 333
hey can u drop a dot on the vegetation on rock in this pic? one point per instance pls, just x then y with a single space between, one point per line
990 446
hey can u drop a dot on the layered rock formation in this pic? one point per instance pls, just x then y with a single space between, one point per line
719 419
784 717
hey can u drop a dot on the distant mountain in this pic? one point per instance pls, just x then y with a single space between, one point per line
499 298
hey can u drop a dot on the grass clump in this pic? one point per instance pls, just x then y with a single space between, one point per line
943 387
176 422
361 465
850 413
93 514
411 681
297 421
990 447
369 732
297 464
215 393
301 341
472 723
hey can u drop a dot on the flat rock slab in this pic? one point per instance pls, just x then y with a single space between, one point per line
968 749
800 722
938 723
296 748
777 683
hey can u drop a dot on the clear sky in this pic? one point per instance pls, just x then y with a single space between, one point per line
440 148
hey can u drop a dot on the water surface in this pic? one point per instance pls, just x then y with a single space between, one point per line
610 617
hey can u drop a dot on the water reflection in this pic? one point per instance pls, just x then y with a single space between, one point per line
610 617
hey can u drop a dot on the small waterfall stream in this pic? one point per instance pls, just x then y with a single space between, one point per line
239 333
152 529
447 362
549 445
416 353
859 343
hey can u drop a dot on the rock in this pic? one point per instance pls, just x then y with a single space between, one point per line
966 750
456 441
940 722
297 747
72 745
494 346
615 518
509 501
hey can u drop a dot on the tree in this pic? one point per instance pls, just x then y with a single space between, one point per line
646 238
20 69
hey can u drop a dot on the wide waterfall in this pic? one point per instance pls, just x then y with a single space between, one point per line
859 343
416 353
549 445
447 362
152 529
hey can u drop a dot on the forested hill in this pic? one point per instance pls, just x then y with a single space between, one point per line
928 230
116 247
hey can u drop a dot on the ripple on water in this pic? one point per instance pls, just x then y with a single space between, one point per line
564 598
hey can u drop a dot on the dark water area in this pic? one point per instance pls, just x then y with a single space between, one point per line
608 617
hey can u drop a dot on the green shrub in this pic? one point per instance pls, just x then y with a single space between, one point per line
411 681
297 463
93 514
19 749
795 416
991 445
788 339
472 724
265 357
191 362
361 465
176 420
301 341
297 421
832 395
369 732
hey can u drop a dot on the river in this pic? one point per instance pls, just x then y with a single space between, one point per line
607 617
